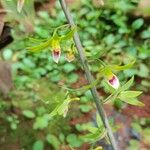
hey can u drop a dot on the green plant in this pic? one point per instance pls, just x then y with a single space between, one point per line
13 120
106 70
106 35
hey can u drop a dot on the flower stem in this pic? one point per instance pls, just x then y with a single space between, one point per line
89 76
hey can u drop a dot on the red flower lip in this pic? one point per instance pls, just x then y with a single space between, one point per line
56 53
114 82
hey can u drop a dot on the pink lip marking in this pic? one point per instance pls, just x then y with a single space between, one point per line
111 81
56 53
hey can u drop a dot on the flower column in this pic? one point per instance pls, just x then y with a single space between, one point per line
89 76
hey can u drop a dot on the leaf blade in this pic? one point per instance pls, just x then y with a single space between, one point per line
133 101
129 94
127 85
123 67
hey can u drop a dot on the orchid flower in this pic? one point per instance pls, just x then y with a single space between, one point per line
113 81
111 78
56 50
54 44
70 56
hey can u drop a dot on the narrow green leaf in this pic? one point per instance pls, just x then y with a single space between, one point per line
86 87
40 47
129 94
62 108
93 137
119 68
37 40
127 85
70 34
133 101
91 129
111 97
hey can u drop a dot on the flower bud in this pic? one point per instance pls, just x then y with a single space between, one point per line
70 56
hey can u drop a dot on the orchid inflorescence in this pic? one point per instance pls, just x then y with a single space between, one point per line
107 71
54 43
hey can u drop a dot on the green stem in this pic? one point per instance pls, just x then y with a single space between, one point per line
89 76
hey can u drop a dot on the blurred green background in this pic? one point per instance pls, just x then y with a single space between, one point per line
115 32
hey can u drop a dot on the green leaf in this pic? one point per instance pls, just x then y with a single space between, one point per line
133 101
86 87
53 140
96 136
40 47
62 107
38 145
127 85
90 128
62 137
109 39
37 40
69 67
13 126
41 122
118 68
72 78
69 35
85 108
146 34
73 140
129 94
143 70
43 14
111 97
137 24
133 145
28 113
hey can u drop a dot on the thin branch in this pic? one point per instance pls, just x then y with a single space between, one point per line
89 76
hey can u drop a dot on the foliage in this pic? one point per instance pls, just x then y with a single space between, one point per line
112 36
